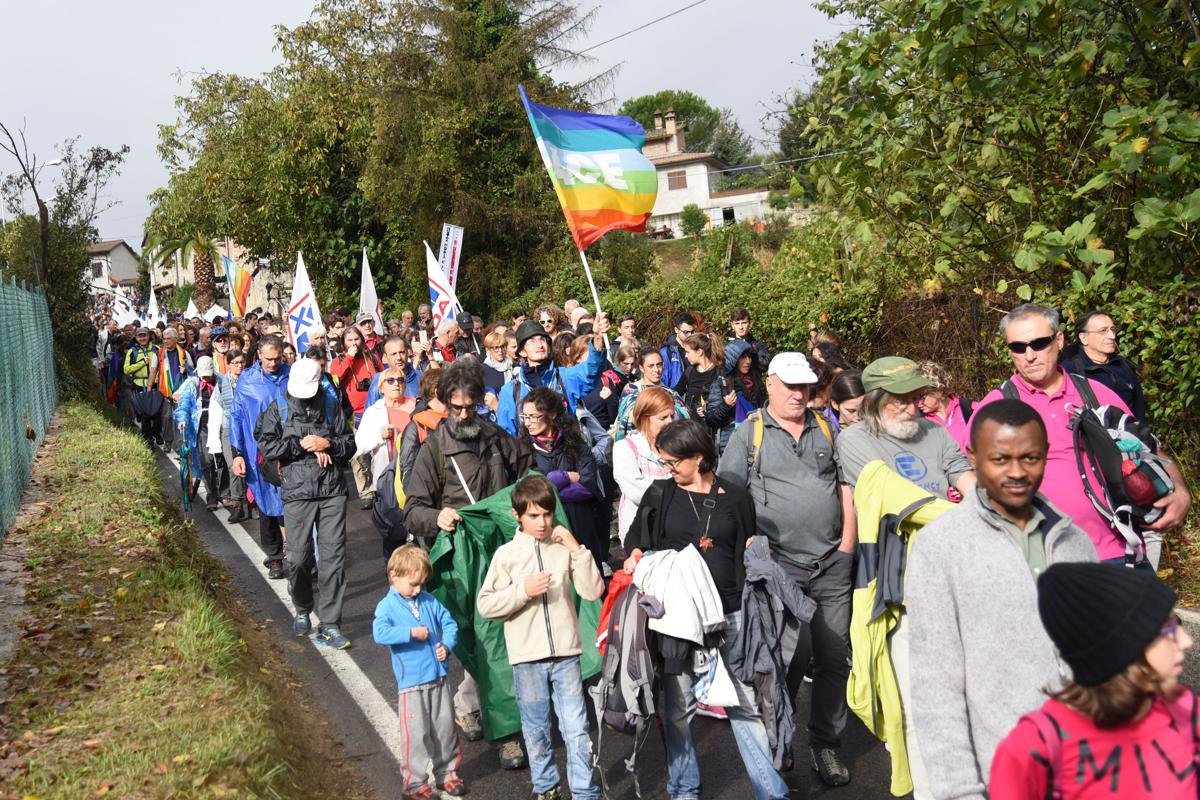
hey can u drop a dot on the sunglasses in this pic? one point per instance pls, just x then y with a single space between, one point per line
455 408
394 381
546 321
1039 344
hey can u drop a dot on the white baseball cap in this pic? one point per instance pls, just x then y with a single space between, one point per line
792 368
204 367
304 379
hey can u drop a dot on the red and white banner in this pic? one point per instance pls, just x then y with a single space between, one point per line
450 252
442 301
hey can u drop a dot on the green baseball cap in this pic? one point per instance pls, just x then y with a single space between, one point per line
894 375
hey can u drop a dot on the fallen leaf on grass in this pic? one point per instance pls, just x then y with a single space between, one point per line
105 788
182 758
91 744
158 626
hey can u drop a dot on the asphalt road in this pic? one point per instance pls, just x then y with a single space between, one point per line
720 766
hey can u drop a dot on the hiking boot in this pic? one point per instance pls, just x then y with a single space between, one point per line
275 570
472 728
829 767
237 512
512 756
454 786
302 625
329 636
365 503
549 794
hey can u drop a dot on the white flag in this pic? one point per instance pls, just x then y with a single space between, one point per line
450 252
368 301
152 315
191 311
303 313
215 311
123 307
441 297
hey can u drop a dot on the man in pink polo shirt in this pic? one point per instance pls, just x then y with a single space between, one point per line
1035 341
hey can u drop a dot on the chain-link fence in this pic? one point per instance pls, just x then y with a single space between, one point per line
28 388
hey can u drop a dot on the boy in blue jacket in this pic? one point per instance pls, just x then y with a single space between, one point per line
421 633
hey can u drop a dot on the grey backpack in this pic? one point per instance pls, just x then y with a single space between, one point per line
624 695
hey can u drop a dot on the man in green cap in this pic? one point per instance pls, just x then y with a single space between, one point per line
893 431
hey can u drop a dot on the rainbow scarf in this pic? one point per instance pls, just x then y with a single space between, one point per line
239 279
595 161
171 376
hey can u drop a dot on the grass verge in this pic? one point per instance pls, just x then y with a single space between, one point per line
132 676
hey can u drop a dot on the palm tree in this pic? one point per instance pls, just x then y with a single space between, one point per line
203 253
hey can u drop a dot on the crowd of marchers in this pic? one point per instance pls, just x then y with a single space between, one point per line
975 579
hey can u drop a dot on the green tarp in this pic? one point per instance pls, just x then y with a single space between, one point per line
460 562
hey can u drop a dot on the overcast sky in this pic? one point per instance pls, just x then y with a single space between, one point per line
109 71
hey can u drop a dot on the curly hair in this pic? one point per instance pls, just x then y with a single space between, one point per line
549 404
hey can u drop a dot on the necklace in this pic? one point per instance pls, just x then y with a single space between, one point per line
706 541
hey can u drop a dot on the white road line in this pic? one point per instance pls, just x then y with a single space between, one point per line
364 693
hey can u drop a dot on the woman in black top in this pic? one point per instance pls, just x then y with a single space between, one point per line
695 507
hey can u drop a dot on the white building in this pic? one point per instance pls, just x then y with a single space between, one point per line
685 178
110 263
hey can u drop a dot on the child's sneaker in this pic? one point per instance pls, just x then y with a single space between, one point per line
301 625
329 636
424 793
454 786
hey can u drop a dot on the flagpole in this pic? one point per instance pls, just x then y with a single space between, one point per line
595 295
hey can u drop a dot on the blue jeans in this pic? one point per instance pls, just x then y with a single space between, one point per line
536 684
1119 561
679 707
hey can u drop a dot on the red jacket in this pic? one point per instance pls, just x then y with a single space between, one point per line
621 580
350 372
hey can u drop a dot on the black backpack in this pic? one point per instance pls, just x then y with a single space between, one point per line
386 512
624 696
1121 453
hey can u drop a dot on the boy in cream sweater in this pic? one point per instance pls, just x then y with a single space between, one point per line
528 585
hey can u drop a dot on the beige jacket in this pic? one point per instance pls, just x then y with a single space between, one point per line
542 627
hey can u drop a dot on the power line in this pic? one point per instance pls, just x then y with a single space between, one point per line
643 26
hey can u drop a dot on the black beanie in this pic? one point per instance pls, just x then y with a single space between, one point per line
1102 617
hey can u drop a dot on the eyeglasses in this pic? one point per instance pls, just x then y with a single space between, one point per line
686 331
498 347
394 381
1171 629
455 408
1039 344
1105 331
672 463
238 363
532 417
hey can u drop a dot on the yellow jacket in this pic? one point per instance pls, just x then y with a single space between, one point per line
897 507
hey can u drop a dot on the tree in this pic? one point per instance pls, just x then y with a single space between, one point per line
1000 144
64 223
709 129
197 247
693 220
383 121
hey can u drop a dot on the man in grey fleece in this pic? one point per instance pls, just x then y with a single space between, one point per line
980 657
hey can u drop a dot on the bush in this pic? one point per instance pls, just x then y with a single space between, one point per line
693 220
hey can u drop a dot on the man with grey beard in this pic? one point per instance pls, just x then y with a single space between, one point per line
464 460
893 431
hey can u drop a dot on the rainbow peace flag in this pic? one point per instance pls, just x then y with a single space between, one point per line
239 279
595 161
